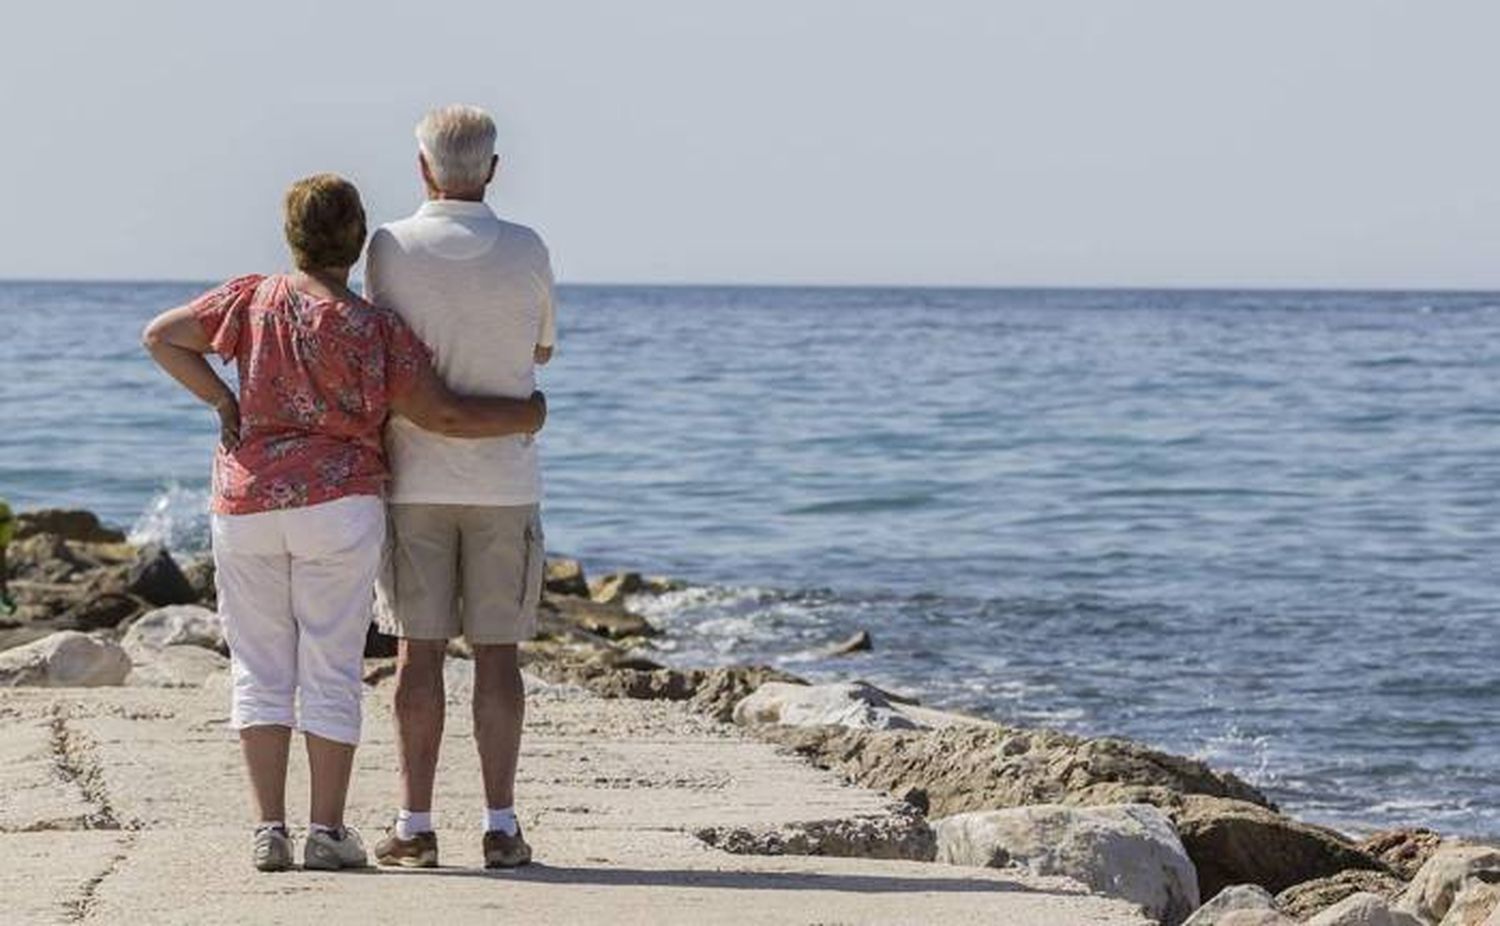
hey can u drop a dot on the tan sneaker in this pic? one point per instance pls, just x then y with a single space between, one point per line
420 851
272 849
325 851
502 850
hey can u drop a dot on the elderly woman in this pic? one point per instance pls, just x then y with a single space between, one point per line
298 516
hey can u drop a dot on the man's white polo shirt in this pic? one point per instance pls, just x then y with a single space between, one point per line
478 292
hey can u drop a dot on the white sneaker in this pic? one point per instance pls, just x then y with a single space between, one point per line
327 851
272 849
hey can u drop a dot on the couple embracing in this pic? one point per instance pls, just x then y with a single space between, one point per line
379 451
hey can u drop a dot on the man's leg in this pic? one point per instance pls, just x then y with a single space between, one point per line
499 712
419 718
502 577
416 601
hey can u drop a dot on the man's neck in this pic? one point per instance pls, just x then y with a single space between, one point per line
475 196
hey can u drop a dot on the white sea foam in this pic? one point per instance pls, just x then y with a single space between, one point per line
176 517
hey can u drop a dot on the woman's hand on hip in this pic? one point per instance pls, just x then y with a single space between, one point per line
229 422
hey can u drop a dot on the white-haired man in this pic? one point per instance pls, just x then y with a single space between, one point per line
465 554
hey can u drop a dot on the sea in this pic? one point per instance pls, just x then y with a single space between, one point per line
1260 528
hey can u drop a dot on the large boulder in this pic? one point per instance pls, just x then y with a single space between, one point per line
1313 897
1445 875
965 767
1364 910
69 525
1128 851
175 667
850 704
1241 905
156 578
179 625
1477 905
67 659
1236 842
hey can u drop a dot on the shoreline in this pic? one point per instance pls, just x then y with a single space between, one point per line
953 777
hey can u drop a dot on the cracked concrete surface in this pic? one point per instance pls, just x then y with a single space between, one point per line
129 805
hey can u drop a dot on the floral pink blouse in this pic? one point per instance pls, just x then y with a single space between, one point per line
316 381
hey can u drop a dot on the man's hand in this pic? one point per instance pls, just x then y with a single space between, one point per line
229 422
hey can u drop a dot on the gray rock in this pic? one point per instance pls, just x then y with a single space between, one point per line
1128 851
612 588
1236 842
984 767
67 524
860 642
104 611
1403 850
1240 905
155 577
176 667
1305 900
1478 904
1364 910
1232 899
67 659
179 625
1445 875
853 705
717 693
201 575
902 833
565 577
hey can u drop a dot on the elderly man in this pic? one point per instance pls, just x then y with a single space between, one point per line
465 555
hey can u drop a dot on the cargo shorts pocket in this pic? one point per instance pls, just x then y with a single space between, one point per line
534 561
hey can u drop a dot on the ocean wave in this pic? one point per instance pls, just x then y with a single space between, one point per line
176 517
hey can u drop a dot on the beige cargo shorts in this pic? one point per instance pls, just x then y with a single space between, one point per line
474 570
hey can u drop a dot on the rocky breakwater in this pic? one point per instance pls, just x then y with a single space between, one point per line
1184 842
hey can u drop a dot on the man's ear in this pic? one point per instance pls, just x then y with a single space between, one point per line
494 164
426 172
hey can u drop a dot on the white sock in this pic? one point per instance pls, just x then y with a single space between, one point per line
270 825
503 820
411 822
337 832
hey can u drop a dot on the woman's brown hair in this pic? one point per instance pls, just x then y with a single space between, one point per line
325 222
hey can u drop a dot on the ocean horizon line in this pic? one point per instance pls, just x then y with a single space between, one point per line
856 287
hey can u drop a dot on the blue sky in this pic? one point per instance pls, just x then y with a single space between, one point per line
1054 142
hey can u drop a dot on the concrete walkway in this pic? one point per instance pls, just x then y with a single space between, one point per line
128 805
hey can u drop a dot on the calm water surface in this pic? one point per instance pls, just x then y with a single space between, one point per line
1260 528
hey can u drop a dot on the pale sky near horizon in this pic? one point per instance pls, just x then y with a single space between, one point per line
1333 143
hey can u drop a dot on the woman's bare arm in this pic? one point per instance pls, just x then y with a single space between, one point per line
176 341
431 405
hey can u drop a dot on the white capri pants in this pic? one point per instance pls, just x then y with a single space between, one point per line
296 592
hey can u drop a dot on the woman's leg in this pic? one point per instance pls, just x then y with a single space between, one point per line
253 574
266 748
336 550
329 765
